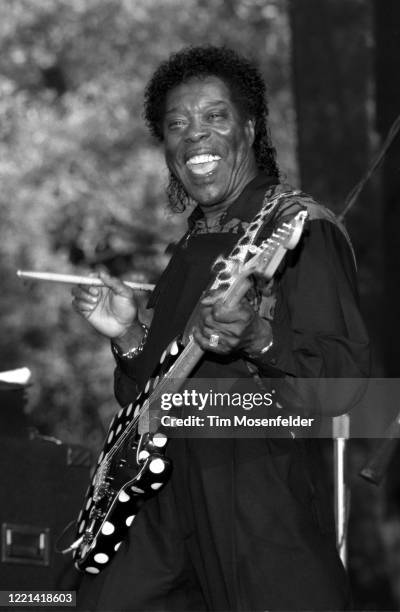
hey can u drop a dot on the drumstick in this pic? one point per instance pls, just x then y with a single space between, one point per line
72 279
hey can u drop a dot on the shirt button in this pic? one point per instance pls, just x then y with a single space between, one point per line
273 361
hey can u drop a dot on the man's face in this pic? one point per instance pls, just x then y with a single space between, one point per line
208 145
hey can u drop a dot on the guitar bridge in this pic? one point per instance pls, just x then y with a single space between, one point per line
104 490
96 513
88 537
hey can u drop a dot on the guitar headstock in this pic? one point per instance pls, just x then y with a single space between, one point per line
266 257
232 281
287 233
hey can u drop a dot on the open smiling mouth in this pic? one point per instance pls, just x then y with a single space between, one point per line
203 164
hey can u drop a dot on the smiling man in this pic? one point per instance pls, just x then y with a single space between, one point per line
208 145
243 524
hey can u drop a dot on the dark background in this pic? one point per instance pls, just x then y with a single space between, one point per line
82 188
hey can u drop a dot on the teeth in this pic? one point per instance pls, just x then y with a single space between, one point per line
202 159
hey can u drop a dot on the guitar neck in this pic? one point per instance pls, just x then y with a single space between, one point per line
186 362
172 381
192 353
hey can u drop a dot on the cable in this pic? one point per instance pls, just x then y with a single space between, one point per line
355 192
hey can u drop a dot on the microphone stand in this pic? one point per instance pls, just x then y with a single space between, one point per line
340 434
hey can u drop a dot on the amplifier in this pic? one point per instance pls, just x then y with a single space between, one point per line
42 486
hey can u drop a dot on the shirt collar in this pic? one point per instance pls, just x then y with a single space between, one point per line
246 206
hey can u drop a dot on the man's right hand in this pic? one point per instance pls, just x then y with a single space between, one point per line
111 309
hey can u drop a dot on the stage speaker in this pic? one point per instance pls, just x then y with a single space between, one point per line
42 485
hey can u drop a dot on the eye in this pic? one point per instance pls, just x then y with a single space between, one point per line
176 124
215 115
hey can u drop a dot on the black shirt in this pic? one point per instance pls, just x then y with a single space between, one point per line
316 324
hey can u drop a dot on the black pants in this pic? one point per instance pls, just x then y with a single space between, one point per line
238 527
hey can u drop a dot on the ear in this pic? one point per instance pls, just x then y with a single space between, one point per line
250 131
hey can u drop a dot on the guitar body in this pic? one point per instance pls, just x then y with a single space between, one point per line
106 518
132 466
121 484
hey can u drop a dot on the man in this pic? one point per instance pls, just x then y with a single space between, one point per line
243 523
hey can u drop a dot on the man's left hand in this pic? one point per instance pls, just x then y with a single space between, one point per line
223 329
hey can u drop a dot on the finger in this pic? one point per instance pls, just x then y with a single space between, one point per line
225 344
204 343
116 285
210 318
86 296
209 300
220 312
223 313
224 331
82 292
82 308
209 323
85 304
86 300
201 341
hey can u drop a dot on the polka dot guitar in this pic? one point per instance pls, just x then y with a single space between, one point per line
132 466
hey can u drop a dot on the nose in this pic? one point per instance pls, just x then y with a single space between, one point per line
196 130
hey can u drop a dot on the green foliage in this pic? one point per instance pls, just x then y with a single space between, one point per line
82 185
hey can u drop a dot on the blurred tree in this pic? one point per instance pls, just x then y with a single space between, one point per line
331 73
83 185
387 28
387 65
332 59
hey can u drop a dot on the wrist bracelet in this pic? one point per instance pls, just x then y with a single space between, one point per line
260 353
267 347
132 352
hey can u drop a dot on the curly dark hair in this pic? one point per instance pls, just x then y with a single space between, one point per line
245 84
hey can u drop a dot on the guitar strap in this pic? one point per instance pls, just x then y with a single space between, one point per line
315 212
293 202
